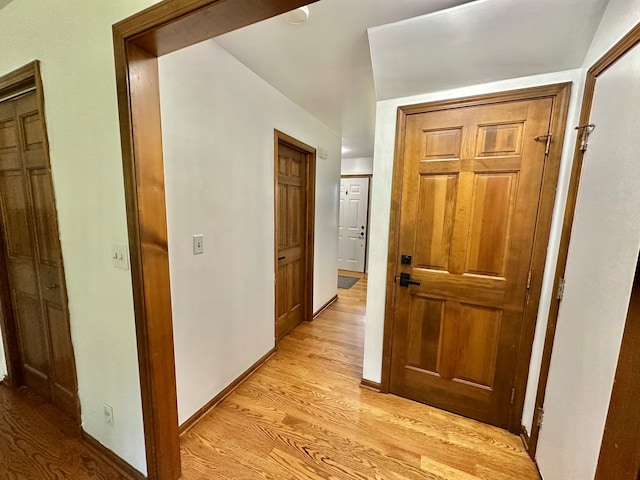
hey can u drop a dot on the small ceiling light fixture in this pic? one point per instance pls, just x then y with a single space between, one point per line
297 16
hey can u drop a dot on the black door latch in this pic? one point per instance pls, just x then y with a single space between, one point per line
405 280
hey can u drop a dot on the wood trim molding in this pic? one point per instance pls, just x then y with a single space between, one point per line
325 307
616 52
364 383
357 175
165 27
122 467
524 436
188 424
560 93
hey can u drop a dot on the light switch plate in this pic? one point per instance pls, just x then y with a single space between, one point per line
198 244
120 256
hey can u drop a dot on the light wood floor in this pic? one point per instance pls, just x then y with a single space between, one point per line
304 416
36 443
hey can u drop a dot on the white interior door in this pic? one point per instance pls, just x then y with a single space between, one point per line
352 231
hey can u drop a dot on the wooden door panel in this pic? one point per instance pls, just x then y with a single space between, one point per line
436 207
61 350
9 159
290 241
294 213
33 343
45 220
492 206
14 214
470 196
424 331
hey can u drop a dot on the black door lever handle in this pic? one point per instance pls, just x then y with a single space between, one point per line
405 280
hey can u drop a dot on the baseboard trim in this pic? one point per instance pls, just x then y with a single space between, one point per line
323 308
371 385
524 436
111 458
224 393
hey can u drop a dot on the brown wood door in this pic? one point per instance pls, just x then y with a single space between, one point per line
620 451
471 185
32 255
291 201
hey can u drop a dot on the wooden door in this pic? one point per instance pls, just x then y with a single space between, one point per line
352 227
291 234
470 191
620 450
32 255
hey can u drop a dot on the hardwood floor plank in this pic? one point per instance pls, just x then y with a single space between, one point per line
304 416
36 443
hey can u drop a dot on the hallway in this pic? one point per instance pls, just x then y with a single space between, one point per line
304 415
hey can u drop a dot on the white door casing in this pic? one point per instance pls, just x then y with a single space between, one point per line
352 230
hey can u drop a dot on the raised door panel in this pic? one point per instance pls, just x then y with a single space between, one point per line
9 159
14 214
45 219
434 226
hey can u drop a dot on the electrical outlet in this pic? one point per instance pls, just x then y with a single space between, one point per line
108 414
198 244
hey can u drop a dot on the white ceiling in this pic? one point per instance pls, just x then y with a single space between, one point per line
483 41
4 3
324 65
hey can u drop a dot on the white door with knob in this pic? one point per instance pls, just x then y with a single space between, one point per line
352 231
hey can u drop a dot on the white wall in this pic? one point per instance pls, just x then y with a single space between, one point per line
600 266
381 198
218 119
357 166
73 40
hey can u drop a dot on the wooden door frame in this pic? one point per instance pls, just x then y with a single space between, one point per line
630 40
366 245
138 42
560 94
21 81
309 218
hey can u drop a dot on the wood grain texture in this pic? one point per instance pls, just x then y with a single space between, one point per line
303 415
559 94
476 195
620 450
150 268
37 443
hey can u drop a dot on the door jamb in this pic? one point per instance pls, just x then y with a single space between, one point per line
630 40
560 94
138 42
310 214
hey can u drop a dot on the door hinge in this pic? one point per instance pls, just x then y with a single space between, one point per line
529 280
586 131
540 417
546 138
560 292
513 395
